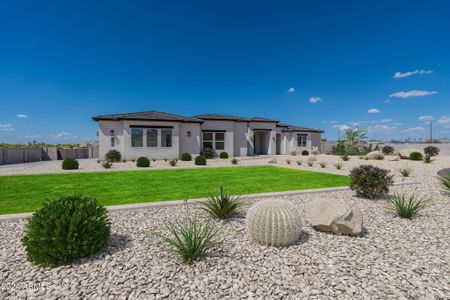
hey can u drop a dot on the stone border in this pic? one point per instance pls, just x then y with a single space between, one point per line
13 217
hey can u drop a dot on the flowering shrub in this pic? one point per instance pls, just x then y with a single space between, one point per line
370 182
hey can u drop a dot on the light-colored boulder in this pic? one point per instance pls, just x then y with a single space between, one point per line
312 158
406 152
332 215
375 155
315 150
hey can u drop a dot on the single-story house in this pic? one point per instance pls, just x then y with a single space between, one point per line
162 135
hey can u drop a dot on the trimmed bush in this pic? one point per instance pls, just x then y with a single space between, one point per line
107 164
200 160
370 182
65 230
173 162
387 150
70 164
208 153
431 151
113 156
223 155
305 153
186 157
143 162
415 156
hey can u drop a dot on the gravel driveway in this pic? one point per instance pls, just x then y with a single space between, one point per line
395 259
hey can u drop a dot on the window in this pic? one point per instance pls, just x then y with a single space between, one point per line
152 137
112 141
301 140
137 136
214 140
166 137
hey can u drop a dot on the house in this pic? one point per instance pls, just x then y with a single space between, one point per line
161 135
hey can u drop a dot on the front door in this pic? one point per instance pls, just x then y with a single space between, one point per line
278 141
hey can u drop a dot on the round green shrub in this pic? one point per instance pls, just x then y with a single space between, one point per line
431 151
208 153
223 155
70 164
200 160
65 230
143 162
370 182
387 150
415 156
305 153
113 156
186 157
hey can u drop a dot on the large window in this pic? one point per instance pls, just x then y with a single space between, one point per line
214 140
301 140
137 135
166 137
152 137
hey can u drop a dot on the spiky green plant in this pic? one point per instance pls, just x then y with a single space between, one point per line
406 206
345 157
222 206
173 162
406 172
234 161
427 159
444 182
299 162
288 161
190 241
338 166
322 164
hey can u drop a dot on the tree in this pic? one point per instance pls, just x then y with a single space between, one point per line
354 136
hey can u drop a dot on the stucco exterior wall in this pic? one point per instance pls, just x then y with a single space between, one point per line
190 144
241 139
272 135
315 140
228 126
104 137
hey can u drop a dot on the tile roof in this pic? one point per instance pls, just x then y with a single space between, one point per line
291 128
223 117
151 115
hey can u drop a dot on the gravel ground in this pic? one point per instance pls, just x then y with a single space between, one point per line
394 259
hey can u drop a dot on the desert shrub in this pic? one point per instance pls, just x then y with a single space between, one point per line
65 230
427 159
234 161
416 156
406 207
322 164
406 172
288 161
223 155
143 162
186 157
222 206
338 166
200 160
370 182
70 164
431 151
274 223
387 150
207 153
299 162
293 152
107 164
305 153
345 157
310 163
444 182
338 149
113 156
173 162
190 241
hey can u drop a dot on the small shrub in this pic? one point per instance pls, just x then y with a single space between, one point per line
338 166
272 161
387 150
173 162
99 161
107 164
143 162
431 151
299 162
305 153
124 160
322 164
222 206
153 160
207 153
190 241
293 152
345 157
113 156
415 156
370 182
200 160
444 182
65 230
310 163
223 155
288 161
234 161
406 172
186 157
70 164
427 159
406 207
165 159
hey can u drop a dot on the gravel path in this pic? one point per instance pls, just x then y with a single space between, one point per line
395 259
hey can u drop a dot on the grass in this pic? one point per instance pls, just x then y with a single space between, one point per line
27 193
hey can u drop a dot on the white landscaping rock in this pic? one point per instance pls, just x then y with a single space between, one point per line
334 216
374 155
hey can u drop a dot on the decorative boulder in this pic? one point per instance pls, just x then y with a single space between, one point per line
375 155
406 152
274 223
334 216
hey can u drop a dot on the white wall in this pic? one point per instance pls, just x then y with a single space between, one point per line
104 137
241 139
272 140
190 144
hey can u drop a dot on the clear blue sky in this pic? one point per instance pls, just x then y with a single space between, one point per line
62 62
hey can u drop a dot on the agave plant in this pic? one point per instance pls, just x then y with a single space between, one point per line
444 182
338 166
222 206
406 172
407 206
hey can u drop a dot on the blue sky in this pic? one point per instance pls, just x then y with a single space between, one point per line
320 64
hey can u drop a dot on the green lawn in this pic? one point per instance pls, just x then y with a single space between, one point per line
27 193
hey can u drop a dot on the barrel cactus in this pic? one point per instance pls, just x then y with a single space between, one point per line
274 223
